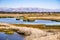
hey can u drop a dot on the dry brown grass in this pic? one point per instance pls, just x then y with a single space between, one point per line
40 26
27 15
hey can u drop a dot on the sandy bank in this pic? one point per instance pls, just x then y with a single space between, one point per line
33 33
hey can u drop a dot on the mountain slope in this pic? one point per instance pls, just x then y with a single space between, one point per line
28 10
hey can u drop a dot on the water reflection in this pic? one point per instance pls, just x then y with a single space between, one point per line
14 36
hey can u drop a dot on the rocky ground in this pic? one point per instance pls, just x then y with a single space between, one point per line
33 33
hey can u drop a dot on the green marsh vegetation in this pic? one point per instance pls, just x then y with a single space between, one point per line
6 17
40 26
8 31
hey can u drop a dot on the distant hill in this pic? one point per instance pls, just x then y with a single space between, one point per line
28 10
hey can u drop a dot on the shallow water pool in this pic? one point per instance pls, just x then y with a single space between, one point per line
14 21
14 36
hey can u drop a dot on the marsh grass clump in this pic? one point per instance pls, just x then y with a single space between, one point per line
6 17
9 32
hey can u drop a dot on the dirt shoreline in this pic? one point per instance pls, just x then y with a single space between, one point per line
33 33
33 16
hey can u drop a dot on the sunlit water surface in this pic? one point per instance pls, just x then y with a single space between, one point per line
14 36
14 21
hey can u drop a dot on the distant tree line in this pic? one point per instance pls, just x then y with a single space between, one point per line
29 12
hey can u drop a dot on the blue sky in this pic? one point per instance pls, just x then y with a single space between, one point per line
49 4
